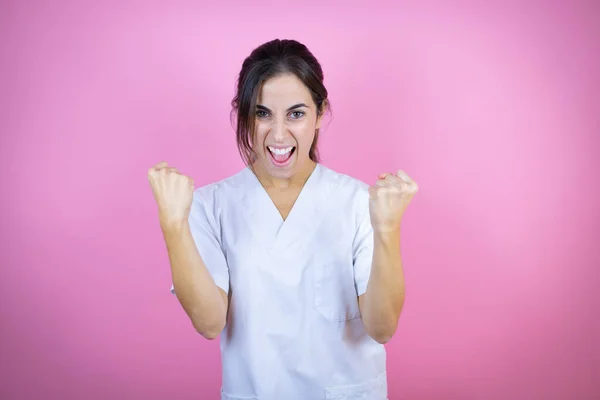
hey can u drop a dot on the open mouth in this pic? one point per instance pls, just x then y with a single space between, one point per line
280 156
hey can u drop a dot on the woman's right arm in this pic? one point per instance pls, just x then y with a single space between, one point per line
203 301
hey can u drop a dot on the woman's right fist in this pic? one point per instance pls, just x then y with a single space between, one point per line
173 193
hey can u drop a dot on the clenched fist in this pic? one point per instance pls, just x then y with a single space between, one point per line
173 192
389 198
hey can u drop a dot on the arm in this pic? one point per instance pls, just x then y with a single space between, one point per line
203 301
381 304
382 300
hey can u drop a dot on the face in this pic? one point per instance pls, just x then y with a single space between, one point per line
285 123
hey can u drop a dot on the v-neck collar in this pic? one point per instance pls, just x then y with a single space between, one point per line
314 176
265 220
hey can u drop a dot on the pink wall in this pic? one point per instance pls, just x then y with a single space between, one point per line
492 109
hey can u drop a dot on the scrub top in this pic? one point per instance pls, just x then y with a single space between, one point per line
294 330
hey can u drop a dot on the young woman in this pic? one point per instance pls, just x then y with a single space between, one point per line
296 267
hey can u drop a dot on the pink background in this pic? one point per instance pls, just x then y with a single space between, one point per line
492 109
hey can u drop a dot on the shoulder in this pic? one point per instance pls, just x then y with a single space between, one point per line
348 189
212 195
344 183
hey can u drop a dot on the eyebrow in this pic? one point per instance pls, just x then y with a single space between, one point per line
261 107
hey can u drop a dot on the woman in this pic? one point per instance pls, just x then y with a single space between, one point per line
296 267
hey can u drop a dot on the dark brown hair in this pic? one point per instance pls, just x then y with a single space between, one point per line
267 61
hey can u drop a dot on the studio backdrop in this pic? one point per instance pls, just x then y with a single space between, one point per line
492 108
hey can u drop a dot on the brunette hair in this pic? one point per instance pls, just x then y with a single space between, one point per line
271 59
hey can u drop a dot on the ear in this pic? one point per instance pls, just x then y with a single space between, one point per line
322 113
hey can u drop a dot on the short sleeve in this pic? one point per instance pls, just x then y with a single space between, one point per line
205 231
362 248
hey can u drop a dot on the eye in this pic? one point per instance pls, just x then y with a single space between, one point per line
297 114
261 114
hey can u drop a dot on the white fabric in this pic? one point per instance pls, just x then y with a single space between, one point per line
294 330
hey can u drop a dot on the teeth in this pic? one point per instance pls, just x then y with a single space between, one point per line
280 151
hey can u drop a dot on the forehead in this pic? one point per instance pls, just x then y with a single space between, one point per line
283 89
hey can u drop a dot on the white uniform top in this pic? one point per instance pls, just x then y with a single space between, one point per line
294 330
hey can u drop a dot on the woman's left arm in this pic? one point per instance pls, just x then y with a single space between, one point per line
381 304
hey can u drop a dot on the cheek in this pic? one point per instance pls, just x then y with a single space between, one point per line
304 127
259 136
305 137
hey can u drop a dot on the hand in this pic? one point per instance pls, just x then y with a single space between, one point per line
389 198
173 193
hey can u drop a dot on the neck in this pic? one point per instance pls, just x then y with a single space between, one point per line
295 181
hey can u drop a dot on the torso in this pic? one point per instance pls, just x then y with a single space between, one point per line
294 330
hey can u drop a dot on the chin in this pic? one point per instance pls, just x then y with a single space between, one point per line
281 173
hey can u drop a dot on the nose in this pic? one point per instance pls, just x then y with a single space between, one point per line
279 130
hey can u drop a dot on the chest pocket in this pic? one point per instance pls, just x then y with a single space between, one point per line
335 296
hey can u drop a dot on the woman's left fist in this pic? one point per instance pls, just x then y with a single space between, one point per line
389 198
